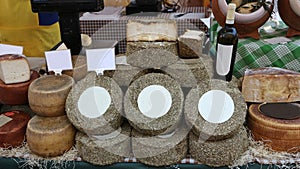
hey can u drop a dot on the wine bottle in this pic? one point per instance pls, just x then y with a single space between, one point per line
226 47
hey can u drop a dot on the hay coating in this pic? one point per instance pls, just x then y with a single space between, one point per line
214 131
218 153
146 124
106 123
151 54
104 151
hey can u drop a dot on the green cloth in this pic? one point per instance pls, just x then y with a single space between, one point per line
252 53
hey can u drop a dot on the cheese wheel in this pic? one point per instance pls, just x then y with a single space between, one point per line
12 133
47 95
271 85
278 134
190 44
79 68
219 107
160 150
16 94
153 103
106 149
50 136
14 69
94 105
151 54
148 30
218 153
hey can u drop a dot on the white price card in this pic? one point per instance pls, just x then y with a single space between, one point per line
101 59
10 49
58 61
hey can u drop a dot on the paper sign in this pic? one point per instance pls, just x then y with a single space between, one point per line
10 49
58 61
4 119
101 59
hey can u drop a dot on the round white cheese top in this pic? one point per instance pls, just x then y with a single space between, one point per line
154 101
216 106
94 102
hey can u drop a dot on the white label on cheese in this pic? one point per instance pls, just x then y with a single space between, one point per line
99 60
4 120
10 49
224 55
58 61
154 101
94 102
216 106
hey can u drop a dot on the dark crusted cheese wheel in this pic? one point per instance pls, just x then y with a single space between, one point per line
153 103
215 109
50 136
151 54
218 153
47 95
160 150
12 132
16 94
271 85
105 149
278 134
79 68
94 105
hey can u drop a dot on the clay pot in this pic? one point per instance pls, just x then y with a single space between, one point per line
246 24
16 94
289 11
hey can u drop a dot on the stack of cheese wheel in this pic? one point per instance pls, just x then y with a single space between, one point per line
15 78
49 133
279 89
151 43
216 111
153 106
94 107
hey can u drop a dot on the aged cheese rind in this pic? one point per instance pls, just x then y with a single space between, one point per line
271 85
16 94
279 134
151 30
12 134
214 131
146 124
79 68
106 151
14 69
159 151
151 54
47 95
106 123
50 136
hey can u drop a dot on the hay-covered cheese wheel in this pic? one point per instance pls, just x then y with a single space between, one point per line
190 44
160 150
215 110
106 149
153 103
12 128
218 153
94 105
16 94
151 54
278 134
50 136
148 30
47 95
